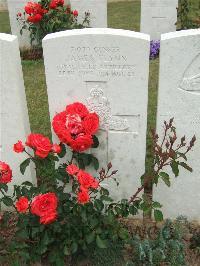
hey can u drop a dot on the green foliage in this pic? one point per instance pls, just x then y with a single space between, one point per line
184 11
195 242
167 247
55 19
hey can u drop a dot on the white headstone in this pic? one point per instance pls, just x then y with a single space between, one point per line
96 8
179 97
14 123
15 7
3 5
158 16
108 70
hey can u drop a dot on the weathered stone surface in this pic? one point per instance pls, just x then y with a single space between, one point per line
179 97
96 8
108 70
15 7
158 16
14 123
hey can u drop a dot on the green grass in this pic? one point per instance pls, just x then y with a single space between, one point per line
36 94
123 15
4 22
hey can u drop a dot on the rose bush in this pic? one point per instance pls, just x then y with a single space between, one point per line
69 211
48 16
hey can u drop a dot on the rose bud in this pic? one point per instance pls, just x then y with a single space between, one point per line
18 147
75 13
56 148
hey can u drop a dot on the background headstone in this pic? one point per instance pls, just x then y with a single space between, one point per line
158 16
3 5
179 97
96 8
14 7
14 123
108 70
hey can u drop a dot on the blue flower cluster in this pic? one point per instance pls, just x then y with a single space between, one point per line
154 49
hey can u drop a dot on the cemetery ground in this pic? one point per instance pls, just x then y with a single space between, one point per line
120 15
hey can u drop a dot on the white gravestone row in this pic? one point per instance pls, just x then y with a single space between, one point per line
97 9
179 97
158 16
107 70
14 122
3 5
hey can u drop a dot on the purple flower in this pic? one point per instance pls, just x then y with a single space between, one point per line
154 49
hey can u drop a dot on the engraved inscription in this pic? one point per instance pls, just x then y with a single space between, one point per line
96 61
191 78
159 17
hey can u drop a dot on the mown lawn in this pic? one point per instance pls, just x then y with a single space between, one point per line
124 15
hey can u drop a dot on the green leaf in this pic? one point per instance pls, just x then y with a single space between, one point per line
156 204
4 187
182 155
24 165
155 180
165 177
63 151
7 201
66 251
27 183
74 247
186 166
158 215
123 233
90 237
106 198
95 142
95 163
174 166
98 204
22 234
100 242
133 210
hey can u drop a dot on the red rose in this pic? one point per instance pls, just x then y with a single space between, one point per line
81 143
91 123
19 14
22 204
59 126
86 180
56 148
5 173
55 3
95 184
34 19
75 13
48 218
74 124
77 109
40 144
44 204
83 197
18 147
72 169
33 8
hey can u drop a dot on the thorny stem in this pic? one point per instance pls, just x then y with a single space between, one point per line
164 158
